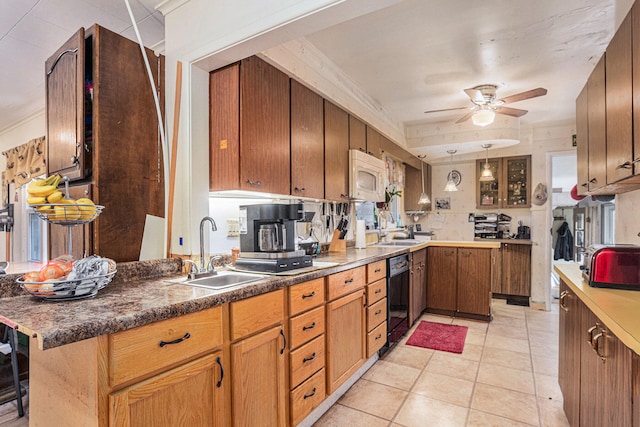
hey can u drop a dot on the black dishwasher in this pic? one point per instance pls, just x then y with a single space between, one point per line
397 299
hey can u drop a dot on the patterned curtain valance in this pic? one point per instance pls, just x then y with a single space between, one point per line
25 162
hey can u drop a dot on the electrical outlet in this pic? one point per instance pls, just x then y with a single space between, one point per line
233 227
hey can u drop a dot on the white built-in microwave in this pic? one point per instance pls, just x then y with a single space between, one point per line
366 177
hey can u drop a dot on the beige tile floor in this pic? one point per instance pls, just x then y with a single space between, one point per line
506 376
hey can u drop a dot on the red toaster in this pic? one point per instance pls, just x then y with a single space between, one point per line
615 266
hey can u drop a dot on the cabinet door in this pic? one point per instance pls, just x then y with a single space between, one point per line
307 142
64 76
374 142
516 175
516 269
591 374
570 338
336 152
413 187
417 285
597 127
635 11
474 281
357 134
258 378
617 408
81 235
582 140
619 104
488 192
442 278
346 338
265 158
194 392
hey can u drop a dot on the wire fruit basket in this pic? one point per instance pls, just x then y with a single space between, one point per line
67 214
68 289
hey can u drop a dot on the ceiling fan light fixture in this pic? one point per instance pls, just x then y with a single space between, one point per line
483 117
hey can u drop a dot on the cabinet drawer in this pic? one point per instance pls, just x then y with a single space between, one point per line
306 360
256 313
139 351
345 282
305 296
376 271
306 326
376 291
376 314
376 339
307 397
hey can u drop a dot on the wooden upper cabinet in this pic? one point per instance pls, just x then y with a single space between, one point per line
64 76
374 142
635 12
250 128
619 104
597 127
582 140
413 188
336 152
357 134
511 187
307 142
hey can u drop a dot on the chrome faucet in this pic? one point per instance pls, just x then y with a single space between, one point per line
213 228
193 269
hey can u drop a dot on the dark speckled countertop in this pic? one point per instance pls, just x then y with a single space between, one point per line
142 293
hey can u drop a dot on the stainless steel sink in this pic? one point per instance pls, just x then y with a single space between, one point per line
224 279
399 243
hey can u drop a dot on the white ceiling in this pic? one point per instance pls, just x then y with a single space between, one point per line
31 30
414 56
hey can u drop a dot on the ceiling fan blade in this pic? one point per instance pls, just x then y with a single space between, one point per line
465 117
524 95
475 95
447 109
515 112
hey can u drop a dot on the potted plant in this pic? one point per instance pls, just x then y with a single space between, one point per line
389 193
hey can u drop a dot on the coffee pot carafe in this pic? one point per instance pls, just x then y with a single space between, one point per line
272 238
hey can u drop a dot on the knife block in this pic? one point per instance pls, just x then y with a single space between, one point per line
337 244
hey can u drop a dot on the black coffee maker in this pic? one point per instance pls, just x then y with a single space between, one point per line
524 232
268 238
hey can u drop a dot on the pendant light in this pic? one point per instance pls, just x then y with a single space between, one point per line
451 185
424 199
486 175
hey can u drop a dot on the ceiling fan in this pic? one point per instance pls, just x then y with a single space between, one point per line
485 105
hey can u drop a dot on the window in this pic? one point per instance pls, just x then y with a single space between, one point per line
608 223
34 237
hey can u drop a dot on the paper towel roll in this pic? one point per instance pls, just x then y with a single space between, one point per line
361 234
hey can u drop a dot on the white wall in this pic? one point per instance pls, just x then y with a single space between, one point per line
627 222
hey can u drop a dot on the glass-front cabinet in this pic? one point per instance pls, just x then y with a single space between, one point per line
511 187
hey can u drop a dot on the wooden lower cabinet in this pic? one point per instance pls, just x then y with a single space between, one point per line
258 379
459 281
168 399
598 374
417 285
569 352
346 338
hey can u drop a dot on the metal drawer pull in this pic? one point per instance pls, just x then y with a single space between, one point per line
63 53
348 281
310 358
311 326
590 334
311 295
593 181
255 183
313 393
379 312
219 383
378 291
179 340
563 295
378 337
284 344
300 190
377 270
596 345
625 165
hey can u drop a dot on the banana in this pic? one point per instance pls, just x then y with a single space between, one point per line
32 200
44 187
55 197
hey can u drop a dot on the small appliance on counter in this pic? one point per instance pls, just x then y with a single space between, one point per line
268 238
524 232
615 266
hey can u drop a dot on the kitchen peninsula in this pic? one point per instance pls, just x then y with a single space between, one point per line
97 361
